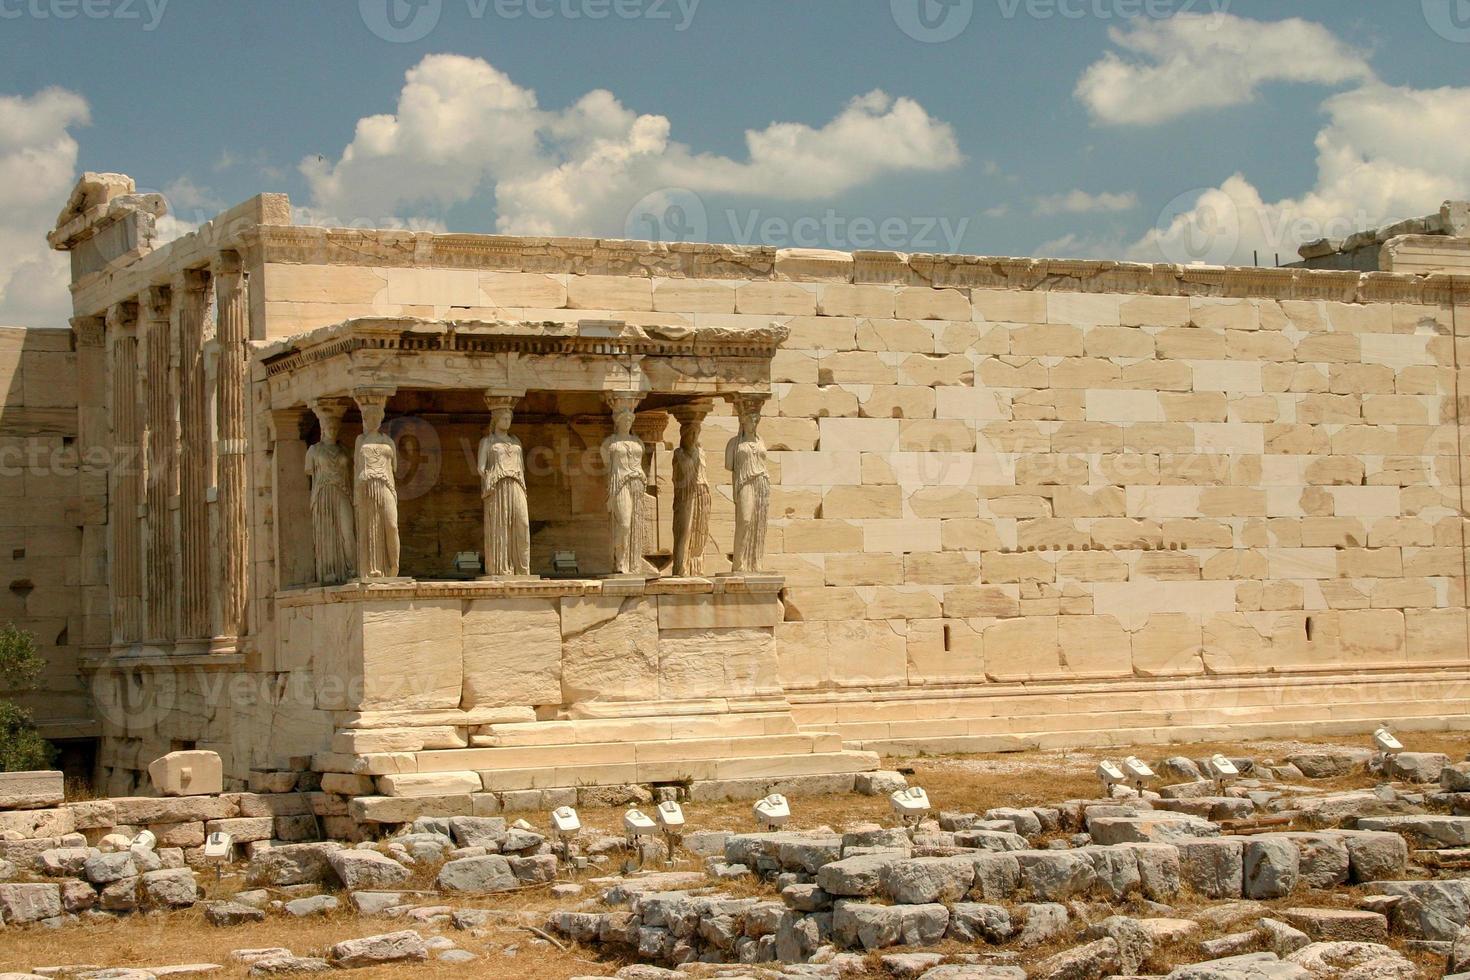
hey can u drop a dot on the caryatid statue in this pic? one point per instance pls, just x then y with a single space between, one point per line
376 490
691 493
334 530
622 455
502 466
745 457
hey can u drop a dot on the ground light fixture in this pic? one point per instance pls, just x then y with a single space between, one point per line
1111 774
773 812
1138 771
1387 742
910 806
1222 770
565 824
145 840
638 826
670 816
218 847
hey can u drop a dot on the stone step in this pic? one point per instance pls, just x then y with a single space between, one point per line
448 783
1031 734
1203 714
1001 702
594 730
626 753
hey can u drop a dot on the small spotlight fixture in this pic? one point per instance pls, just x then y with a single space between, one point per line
565 824
773 812
1387 742
910 806
1110 774
1223 770
670 816
1138 771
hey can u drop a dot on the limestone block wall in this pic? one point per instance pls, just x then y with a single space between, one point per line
981 485
43 541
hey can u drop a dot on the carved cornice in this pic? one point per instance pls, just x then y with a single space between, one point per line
476 337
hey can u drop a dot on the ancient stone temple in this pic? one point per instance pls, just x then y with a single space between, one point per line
450 517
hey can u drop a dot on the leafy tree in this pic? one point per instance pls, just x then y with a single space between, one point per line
21 746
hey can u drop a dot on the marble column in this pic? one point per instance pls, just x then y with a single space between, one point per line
126 537
191 297
328 467
375 489
627 484
160 459
507 518
745 458
233 335
691 492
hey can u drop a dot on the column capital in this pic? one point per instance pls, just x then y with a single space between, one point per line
749 402
373 395
122 317
91 331
623 400
157 301
503 398
692 413
227 263
191 280
329 407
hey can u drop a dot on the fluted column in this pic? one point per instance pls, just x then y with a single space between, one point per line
160 461
191 303
126 536
232 335
691 491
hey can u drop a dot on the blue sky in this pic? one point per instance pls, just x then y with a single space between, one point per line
1067 127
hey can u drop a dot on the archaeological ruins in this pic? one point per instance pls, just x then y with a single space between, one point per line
454 518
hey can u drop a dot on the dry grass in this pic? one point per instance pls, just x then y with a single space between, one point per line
960 783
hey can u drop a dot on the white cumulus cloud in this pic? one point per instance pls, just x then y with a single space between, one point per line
1181 64
463 130
38 158
1377 162
1081 202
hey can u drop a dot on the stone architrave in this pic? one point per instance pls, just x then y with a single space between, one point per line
691 493
745 457
375 489
627 484
333 525
502 466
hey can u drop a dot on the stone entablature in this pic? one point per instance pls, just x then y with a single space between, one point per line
591 355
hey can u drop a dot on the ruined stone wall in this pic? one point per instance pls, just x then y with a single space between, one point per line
41 536
1035 475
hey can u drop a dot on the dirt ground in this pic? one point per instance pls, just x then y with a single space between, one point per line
960 783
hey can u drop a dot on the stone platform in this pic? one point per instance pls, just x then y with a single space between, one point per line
1017 717
464 688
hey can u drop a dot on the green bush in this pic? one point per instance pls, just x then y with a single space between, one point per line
21 746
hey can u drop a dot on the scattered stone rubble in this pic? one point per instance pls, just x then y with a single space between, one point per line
1267 879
